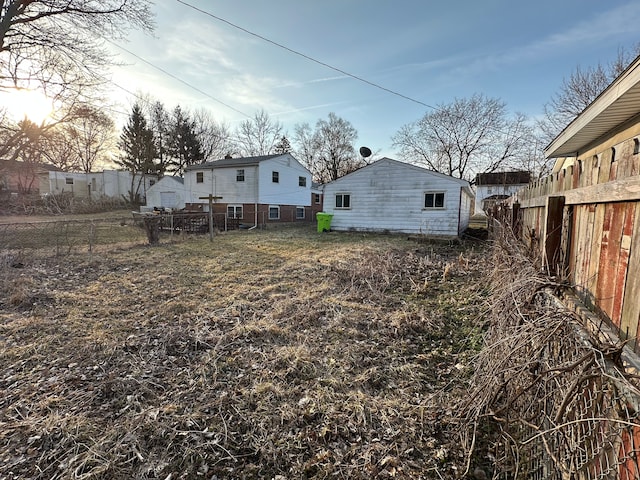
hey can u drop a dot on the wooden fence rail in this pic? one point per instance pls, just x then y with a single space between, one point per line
584 221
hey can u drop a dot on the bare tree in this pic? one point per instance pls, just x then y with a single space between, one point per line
215 138
305 148
36 36
59 151
579 90
259 135
328 151
92 136
466 137
57 47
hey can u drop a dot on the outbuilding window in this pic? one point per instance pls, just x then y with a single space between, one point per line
434 200
274 212
343 200
68 181
199 177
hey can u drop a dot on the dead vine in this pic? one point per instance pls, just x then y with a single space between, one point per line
548 400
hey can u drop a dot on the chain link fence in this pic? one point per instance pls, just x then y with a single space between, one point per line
62 237
555 393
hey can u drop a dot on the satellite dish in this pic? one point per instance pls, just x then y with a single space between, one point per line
365 152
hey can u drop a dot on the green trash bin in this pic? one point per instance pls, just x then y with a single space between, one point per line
324 221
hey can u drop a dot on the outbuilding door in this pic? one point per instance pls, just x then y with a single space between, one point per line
168 199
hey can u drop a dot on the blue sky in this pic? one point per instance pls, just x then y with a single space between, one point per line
430 51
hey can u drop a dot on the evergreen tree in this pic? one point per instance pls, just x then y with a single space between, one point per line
184 147
138 151
283 146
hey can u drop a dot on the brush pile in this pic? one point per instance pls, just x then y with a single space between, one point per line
269 356
546 399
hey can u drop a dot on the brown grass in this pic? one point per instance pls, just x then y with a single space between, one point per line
278 354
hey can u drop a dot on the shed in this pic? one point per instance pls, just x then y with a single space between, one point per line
394 196
168 192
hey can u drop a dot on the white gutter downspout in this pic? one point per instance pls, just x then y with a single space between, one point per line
255 221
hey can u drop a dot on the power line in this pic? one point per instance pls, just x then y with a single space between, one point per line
178 79
307 57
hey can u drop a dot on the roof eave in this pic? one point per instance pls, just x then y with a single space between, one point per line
619 102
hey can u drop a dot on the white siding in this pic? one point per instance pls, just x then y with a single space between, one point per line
287 191
466 202
108 183
389 195
485 191
221 182
157 193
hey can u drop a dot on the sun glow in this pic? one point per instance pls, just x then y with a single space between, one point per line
31 104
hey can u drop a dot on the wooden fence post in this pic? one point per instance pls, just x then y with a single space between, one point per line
515 219
552 237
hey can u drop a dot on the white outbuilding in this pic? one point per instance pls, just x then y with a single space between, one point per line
394 196
168 192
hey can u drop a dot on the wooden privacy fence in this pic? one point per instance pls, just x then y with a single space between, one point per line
584 221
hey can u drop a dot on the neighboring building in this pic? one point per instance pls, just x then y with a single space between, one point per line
168 192
393 196
96 185
491 188
22 177
255 190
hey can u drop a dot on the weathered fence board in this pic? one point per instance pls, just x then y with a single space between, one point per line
584 222
631 309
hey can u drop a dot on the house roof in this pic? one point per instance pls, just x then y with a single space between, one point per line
617 104
233 162
409 166
41 167
503 178
172 177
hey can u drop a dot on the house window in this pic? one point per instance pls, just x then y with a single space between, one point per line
275 177
316 198
234 211
68 181
240 175
299 213
434 200
302 181
343 200
199 177
274 212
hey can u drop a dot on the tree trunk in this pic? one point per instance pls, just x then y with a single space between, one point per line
152 227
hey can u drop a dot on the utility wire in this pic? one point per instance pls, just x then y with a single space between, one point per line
178 79
308 57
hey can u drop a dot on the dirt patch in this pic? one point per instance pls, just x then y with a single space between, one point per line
261 355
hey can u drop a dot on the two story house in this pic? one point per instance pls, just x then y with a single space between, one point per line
256 190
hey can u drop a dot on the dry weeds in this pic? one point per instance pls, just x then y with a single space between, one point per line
279 354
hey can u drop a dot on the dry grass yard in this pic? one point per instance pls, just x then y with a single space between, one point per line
278 354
